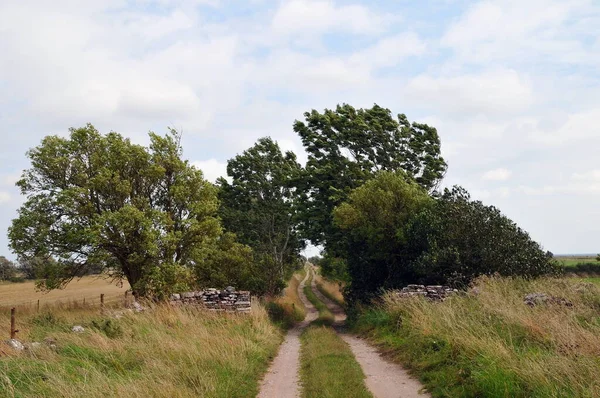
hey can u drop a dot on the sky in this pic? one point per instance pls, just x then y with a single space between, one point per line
513 87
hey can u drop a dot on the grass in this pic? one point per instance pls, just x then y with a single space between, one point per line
89 287
493 345
572 261
328 368
288 310
164 352
331 290
325 316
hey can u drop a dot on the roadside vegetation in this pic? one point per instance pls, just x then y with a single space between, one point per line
328 367
331 290
491 344
164 352
288 309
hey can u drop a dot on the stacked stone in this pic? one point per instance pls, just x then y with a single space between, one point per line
216 300
432 292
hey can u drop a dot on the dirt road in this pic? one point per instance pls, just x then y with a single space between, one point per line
383 378
282 379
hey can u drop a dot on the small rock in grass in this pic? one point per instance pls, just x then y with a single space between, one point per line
16 344
78 329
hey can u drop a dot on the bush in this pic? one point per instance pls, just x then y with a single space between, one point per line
397 234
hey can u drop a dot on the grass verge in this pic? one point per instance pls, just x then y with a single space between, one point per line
492 344
325 316
328 368
164 352
331 290
288 310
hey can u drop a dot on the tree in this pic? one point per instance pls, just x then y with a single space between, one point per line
459 239
374 219
100 201
348 146
8 270
397 234
259 206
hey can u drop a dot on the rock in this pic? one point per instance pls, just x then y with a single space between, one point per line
137 307
16 344
175 297
230 289
533 299
77 329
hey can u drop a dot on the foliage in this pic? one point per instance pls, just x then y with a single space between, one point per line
8 270
259 206
459 239
374 220
397 234
492 344
288 310
227 262
348 146
100 201
335 268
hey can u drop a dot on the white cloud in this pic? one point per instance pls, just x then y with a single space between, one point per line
211 168
496 175
313 17
592 175
491 92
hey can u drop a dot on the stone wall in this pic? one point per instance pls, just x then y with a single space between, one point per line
433 292
216 300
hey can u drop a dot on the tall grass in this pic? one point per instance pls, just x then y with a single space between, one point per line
330 289
164 352
492 344
288 309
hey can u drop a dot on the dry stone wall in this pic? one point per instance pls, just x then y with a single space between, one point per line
216 300
432 292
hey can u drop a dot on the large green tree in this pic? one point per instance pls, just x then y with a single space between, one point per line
259 206
7 269
347 147
98 200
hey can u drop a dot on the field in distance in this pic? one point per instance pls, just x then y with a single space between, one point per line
88 287
571 261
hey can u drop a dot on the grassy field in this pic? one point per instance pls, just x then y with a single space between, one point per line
88 287
328 368
164 352
571 261
492 344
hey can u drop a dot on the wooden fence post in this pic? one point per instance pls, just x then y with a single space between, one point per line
102 300
38 306
13 331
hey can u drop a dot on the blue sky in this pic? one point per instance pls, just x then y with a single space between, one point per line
512 86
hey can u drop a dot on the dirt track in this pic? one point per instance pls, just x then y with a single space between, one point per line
383 378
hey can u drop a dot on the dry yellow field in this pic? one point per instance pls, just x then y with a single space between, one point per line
89 287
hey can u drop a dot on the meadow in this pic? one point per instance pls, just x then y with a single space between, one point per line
89 288
163 352
488 343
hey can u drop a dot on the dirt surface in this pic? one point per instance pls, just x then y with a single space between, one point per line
384 379
282 379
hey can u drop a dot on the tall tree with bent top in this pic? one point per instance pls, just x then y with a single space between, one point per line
347 147
99 201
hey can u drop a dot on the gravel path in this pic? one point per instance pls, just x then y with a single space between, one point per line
384 379
282 379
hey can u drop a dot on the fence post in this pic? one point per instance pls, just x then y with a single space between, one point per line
102 300
84 301
13 331
38 306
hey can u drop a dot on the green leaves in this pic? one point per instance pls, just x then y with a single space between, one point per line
347 147
260 205
100 202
